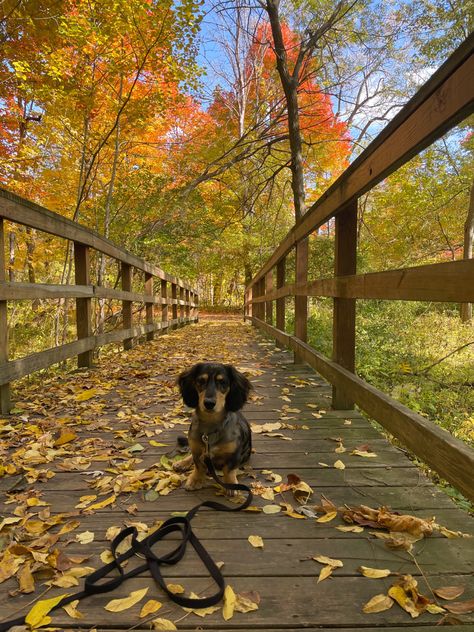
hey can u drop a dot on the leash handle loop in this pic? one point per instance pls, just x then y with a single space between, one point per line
153 562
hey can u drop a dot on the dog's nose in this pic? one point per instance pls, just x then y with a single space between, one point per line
209 404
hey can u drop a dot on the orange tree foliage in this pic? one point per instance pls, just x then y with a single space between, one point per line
99 125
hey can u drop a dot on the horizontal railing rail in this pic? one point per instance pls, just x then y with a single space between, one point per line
444 101
177 299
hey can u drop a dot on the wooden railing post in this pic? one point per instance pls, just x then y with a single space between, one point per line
164 306
280 302
250 305
196 309
269 304
4 388
83 305
261 293
127 316
181 306
174 306
344 313
301 302
149 307
188 308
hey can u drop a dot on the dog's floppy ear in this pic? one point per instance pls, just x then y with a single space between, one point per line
239 389
186 386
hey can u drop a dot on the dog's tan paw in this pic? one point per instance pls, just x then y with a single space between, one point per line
194 483
182 466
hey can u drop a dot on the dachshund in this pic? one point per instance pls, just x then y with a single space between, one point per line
217 392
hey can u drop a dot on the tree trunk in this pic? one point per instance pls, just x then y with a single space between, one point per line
108 205
466 308
290 88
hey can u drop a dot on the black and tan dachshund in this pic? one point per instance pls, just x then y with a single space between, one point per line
217 392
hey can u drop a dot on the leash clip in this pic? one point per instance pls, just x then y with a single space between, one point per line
205 440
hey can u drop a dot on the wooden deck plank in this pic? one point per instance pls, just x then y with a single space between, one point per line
291 598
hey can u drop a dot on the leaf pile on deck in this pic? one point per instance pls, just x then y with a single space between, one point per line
131 399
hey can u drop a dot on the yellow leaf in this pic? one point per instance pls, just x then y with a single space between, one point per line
71 610
340 449
229 603
327 517
106 556
102 503
374 573
157 444
271 509
322 559
150 607
86 537
65 437
83 396
163 624
25 579
364 453
379 603
176 589
350 528
256 541
324 574
38 612
433 608
404 601
117 605
247 602
339 465
201 612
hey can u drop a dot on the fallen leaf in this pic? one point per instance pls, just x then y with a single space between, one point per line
433 608
86 537
163 624
350 528
327 517
374 573
176 589
339 465
37 616
72 611
322 559
150 607
229 603
85 395
256 541
102 503
460 607
271 509
449 592
325 572
117 605
247 602
378 603
363 453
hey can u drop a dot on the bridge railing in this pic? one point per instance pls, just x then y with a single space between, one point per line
444 101
177 299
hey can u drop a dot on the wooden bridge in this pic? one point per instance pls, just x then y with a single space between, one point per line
85 453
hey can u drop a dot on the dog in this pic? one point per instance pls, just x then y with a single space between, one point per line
217 392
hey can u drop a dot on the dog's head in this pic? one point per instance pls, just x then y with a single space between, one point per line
213 388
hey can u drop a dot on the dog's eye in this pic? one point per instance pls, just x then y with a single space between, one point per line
201 381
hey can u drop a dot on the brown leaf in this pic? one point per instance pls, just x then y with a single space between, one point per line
449 592
378 603
460 607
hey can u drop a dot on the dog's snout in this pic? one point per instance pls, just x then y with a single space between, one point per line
209 403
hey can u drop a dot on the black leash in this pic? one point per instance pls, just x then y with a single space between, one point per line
93 584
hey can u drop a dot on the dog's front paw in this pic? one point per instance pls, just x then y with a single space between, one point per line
183 465
194 482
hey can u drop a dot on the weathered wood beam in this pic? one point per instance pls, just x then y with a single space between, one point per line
448 456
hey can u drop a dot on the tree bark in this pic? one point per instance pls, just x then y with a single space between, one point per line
466 308
289 83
